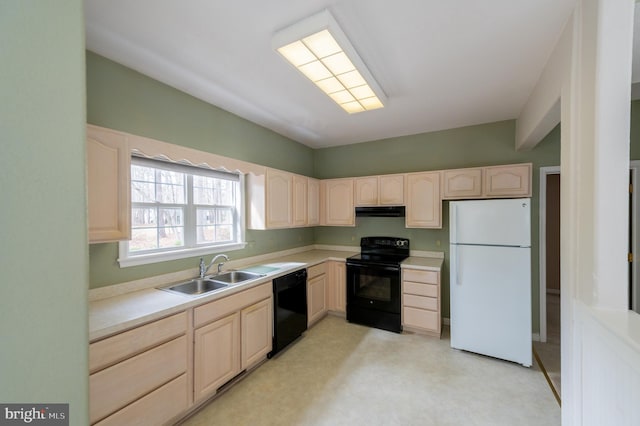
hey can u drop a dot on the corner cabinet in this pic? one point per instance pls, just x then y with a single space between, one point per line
337 286
337 202
313 202
108 187
424 205
316 293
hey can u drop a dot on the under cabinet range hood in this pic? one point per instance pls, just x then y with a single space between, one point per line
383 211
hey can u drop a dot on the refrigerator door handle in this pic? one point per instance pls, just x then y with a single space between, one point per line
454 223
457 266
455 259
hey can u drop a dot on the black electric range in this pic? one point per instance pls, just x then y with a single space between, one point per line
373 282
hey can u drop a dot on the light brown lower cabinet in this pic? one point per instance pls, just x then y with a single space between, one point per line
421 310
156 408
232 334
155 373
337 286
133 368
316 293
216 355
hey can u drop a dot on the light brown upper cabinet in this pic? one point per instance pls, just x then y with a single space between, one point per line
513 180
270 200
384 190
299 202
280 199
337 207
462 183
507 181
108 188
313 202
424 205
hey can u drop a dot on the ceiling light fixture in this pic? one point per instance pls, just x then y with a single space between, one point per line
320 50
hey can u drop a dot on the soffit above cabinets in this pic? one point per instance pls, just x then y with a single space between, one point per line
440 64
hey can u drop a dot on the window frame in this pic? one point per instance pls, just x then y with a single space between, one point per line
191 247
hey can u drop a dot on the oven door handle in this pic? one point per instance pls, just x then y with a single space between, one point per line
375 267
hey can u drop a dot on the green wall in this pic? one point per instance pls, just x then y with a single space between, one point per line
43 254
123 99
482 145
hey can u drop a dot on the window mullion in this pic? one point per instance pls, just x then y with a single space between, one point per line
190 215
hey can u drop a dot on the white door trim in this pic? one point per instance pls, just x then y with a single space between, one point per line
542 260
635 234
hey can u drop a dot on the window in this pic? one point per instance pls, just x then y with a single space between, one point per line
180 211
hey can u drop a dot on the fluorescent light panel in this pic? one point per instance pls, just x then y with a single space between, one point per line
333 66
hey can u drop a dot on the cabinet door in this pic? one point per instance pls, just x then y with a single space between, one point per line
313 202
316 298
256 322
508 181
337 300
299 200
424 206
391 190
462 183
216 355
337 197
279 199
366 191
108 177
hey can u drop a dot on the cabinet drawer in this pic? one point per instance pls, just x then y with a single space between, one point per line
316 270
123 383
420 318
225 306
156 408
420 276
420 289
421 302
107 352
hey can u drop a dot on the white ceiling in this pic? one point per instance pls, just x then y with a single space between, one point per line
442 64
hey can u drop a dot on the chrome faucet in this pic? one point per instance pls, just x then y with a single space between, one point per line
204 269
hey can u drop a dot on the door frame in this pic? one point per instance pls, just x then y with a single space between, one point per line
634 167
542 259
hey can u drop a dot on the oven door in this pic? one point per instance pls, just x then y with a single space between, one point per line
373 287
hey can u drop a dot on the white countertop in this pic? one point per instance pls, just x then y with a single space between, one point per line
426 263
115 313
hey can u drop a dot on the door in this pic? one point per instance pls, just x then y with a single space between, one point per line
490 290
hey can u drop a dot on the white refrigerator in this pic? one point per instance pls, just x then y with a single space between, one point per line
490 278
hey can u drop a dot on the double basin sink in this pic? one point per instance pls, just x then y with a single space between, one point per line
200 286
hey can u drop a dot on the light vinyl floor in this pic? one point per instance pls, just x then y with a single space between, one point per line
345 374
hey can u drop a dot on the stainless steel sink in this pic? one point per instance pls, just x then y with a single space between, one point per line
235 277
197 286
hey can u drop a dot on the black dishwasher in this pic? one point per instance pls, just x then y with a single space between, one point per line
289 309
